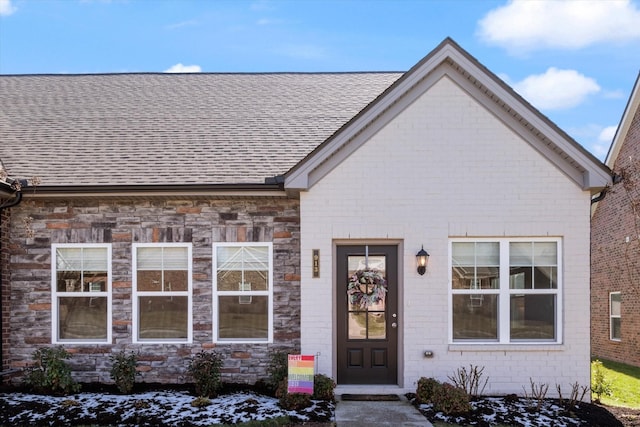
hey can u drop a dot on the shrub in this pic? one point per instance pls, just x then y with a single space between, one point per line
123 370
470 381
444 397
538 394
427 387
291 401
51 374
450 399
200 402
205 370
599 384
323 387
278 368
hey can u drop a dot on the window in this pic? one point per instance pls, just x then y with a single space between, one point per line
505 290
81 293
162 292
243 292
614 316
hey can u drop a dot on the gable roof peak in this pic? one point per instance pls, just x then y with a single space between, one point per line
450 59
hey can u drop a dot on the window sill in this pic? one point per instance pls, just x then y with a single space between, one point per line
490 347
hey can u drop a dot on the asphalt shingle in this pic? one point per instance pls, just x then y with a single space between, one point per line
159 129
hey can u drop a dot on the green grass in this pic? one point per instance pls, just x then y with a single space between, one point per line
625 384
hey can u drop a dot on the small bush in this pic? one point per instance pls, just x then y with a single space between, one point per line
450 399
323 387
600 386
123 370
427 387
278 368
200 402
444 397
470 381
205 370
538 394
291 401
51 374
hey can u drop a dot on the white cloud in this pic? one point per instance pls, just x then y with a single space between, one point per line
6 8
570 24
595 138
605 138
607 134
556 89
179 68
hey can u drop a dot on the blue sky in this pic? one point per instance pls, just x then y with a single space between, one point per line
575 60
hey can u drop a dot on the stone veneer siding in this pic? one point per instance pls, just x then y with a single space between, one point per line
615 260
123 222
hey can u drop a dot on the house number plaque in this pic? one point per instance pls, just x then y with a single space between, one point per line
316 262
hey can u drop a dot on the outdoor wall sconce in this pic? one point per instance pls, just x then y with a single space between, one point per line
422 258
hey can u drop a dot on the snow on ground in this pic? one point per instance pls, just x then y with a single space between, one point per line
149 408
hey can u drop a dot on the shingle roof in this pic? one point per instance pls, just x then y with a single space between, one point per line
159 129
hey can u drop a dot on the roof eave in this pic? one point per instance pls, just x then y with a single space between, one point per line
173 190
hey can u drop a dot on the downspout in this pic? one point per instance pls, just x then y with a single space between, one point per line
17 189
615 178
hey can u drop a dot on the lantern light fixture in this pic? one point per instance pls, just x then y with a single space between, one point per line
422 258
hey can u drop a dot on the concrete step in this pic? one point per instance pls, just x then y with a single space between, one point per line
378 414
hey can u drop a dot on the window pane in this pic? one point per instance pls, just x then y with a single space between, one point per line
476 265
615 304
68 281
533 265
243 318
358 326
463 253
377 326
521 253
82 318
475 317
615 328
69 259
149 258
533 317
148 280
94 259
163 317
487 254
175 281
239 266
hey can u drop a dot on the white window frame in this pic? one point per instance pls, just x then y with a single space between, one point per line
242 294
135 294
504 292
612 316
55 294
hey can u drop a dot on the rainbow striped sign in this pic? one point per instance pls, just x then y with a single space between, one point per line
301 371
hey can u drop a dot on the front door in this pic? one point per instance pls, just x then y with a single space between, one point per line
367 314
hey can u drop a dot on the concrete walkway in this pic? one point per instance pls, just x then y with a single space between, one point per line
378 414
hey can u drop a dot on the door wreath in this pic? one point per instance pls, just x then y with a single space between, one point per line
375 288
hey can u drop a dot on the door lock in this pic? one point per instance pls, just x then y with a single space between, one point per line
394 325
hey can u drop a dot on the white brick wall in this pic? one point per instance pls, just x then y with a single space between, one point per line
446 167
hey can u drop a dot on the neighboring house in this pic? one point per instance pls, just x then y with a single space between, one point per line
228 211
615 247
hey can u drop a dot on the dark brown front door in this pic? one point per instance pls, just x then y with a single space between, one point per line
367 334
